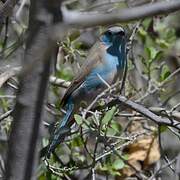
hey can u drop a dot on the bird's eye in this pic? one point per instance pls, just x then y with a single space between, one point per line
108 33
121 33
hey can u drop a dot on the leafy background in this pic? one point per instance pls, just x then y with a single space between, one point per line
107 143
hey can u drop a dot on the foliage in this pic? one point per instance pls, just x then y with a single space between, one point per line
104 140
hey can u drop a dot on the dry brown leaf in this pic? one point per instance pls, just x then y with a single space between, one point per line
143 153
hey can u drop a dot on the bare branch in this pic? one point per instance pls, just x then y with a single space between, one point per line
22 152
132 140
8 74
6 10
163 167
6 114
88 19
147 113
59 82
14 71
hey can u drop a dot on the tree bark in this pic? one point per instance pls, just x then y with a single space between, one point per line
22 152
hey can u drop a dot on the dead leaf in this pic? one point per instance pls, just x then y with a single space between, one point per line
142 153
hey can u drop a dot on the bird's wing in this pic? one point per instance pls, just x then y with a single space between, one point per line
94 58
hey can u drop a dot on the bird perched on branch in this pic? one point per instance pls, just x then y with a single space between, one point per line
104 64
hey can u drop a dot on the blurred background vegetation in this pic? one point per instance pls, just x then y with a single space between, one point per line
108 143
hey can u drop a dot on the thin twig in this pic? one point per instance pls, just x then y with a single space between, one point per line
106 153
162 168
5 115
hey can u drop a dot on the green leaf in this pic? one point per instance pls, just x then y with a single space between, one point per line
78 119
162 43
118 164
108 116
79 157
104 168
114 173
163 128
165 73
111 131
77 142
159 55
74 35
109 168
116 127
125 157
147 22
142 32
151 53
65 74
171 35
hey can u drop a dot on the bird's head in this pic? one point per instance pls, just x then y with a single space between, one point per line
114 36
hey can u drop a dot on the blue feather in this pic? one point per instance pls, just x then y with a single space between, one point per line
62 130
105 61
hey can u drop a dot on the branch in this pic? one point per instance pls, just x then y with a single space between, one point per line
22 152
59 82
6 10
178 167
163 167
6 114
146 112
64 84
88 19
8 74
15 71
131 141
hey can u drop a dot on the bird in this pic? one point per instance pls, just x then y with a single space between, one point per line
104 64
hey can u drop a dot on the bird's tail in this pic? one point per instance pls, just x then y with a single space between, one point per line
61 130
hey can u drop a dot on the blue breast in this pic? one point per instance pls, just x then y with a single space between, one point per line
111 64
114 60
